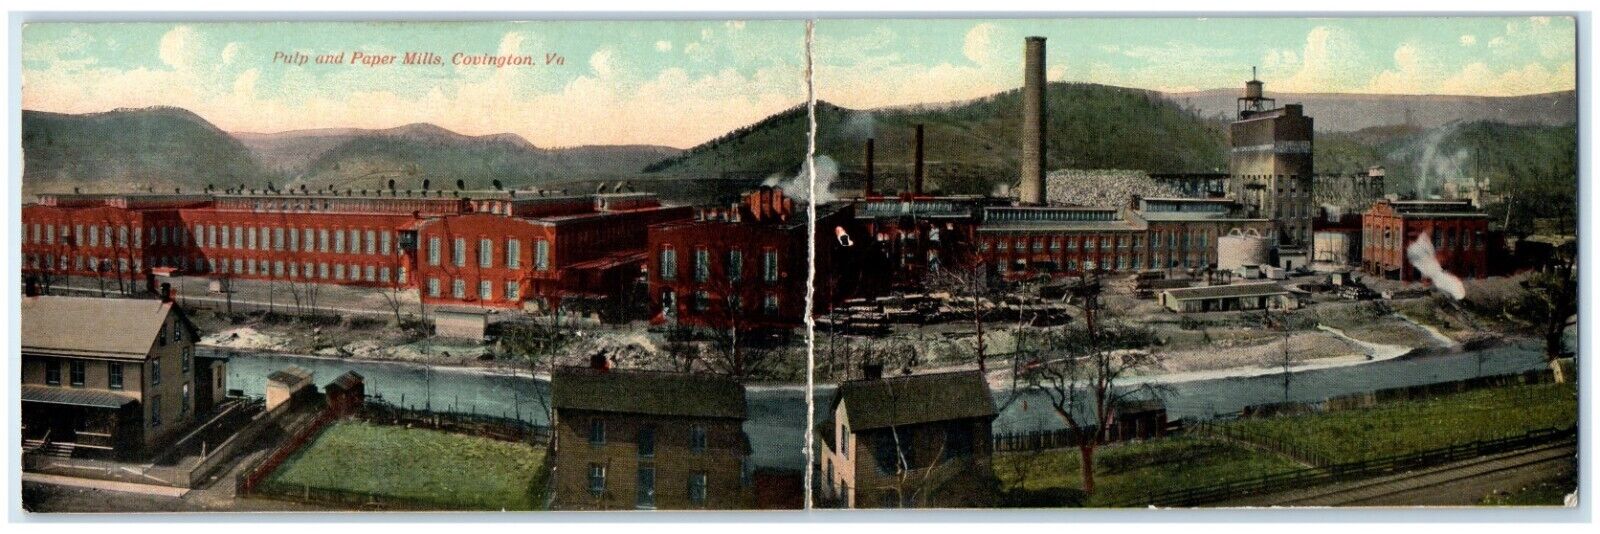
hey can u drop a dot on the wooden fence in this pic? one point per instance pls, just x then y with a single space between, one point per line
252 477
1258 440
490 426
1330 473
1061 438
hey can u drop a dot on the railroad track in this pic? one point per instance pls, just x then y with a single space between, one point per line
1383 490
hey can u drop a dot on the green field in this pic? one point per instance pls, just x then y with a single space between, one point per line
1410 426
451 471
1128 471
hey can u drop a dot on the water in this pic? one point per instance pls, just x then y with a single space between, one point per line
777 414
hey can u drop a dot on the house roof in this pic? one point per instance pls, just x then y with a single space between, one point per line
92 398
291 375
914 399
1226 291
92 327
347 381
646 392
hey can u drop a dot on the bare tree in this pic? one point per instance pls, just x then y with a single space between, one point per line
970 287
537 343
1552 306
1079 372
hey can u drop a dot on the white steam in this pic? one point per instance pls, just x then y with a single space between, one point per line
796 186
1434 164
858 126
1421 255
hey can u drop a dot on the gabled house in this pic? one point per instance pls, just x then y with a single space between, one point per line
628 439
110 377
908 441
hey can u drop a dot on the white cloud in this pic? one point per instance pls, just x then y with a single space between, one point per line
229 53
663 46
1469 40
978 44
600 61
179 47
1329 56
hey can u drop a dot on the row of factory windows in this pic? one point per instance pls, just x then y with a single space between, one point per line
1105 263
236 266
700 302
1449 239
703 264
278 238
511 289
1198 239
486 254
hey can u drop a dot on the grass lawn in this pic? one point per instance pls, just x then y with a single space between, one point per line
455 471
1410 426
1128 471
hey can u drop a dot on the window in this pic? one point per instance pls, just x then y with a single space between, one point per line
485 253
311 240
597 431
485 290
294 240
52 372
697 488
75 372
433 287
338 241
177 331
322 270
702 264
238 237
114 375
597 479
735 265
702 301
458 289
646 488
183 405
669 263
647 441
383 247
433 251
155 410
541 255
322 240
513 254
155 372
697 438
188 355
769 265
458 252
372 242
958 440
513 290
277 238
338 271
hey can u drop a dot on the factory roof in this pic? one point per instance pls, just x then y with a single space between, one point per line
1227 291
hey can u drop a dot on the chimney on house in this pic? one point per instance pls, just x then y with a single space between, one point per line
31 287
1031 192
870 171
166 292
598 362
871 371
916 166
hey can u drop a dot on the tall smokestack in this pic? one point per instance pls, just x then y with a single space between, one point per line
1031 191
870 170
916 169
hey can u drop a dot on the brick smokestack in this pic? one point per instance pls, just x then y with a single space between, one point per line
1031 191
867 192
916 167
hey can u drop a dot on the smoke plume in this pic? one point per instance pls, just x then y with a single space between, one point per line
1421 254
1433 163
797 186
858 126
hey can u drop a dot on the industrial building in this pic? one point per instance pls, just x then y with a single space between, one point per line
1270 170
1459 233
1233 297
498 249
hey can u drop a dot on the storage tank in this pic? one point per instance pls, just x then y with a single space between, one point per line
1238 249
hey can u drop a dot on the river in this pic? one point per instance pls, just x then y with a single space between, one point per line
777 414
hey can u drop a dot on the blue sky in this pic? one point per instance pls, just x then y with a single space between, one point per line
681 82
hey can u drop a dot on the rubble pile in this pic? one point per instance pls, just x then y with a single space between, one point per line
1102 187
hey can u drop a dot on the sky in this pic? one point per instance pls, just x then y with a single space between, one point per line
679 83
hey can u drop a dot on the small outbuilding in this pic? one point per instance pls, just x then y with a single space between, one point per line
284 384
1232 297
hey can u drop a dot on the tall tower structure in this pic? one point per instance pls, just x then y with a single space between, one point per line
1270 171
1031 191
